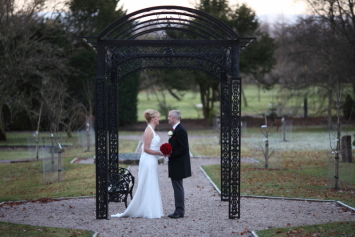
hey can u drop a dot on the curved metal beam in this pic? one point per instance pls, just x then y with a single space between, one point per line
130 22
128 35
170 10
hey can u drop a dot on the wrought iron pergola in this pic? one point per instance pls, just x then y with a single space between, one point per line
167 37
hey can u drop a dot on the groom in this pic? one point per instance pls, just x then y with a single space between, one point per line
179 162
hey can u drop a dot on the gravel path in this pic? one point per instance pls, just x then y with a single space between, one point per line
205 214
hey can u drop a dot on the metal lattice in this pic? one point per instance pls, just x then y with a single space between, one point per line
225 139
209 59
160 38
234 164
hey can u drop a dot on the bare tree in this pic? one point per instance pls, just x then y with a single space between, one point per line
313 57
30 57
265 130
320 51
340 15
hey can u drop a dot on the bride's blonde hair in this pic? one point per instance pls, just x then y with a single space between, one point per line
149 114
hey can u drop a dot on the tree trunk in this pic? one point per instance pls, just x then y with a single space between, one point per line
266 153
206 101
329 110
37 134
336 167
2 135
244 99
2 131
346 152
305 108
174 95
258 93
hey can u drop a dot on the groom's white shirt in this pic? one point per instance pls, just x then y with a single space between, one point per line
167 158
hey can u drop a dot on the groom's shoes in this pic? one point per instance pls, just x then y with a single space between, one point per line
175 216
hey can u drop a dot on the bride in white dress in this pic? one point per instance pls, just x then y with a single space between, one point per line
146 201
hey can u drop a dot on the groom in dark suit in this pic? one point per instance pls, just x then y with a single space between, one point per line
179 162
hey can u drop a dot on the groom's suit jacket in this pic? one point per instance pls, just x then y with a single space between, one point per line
179 161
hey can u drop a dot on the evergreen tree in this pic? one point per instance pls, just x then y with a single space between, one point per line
256 60
89 18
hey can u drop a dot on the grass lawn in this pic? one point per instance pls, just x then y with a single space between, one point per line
259 102
302 167
24 180
20 230
345 228
291 183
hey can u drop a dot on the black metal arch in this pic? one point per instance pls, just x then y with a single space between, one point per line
211 60
162 15
158 38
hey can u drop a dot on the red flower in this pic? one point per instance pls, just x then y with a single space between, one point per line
166 148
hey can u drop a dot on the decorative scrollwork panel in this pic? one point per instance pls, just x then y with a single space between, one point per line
101 151
130 59
225 139
113 129
234 198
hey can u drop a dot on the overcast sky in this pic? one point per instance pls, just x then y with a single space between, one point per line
266 10
262 7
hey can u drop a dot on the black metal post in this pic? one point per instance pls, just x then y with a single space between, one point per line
225 138
101 136
235 128
113 120
113 129
234 162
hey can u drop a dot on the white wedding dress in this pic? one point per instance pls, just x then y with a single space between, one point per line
146 201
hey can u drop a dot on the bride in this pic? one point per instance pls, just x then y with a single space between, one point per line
146 201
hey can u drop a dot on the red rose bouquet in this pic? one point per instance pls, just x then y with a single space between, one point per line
166 148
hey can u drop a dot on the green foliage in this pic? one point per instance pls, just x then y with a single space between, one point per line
179 80
92 16
255 62
83 64
127 99
34 59
89 18
164 109
257 59
212 115
243 20
216 8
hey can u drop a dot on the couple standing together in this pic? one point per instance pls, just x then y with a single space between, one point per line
147 201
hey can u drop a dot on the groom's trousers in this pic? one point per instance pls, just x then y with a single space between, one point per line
179 196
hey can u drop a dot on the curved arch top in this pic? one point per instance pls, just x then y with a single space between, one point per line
154 22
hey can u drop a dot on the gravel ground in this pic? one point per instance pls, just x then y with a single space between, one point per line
205 214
